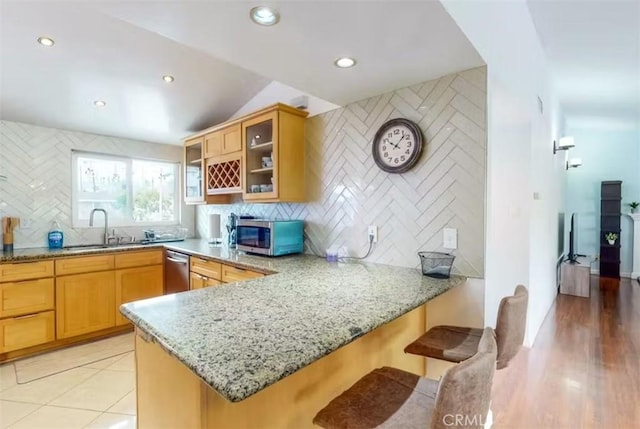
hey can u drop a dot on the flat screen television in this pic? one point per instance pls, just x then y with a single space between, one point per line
573 239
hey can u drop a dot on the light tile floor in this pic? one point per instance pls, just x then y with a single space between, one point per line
98 395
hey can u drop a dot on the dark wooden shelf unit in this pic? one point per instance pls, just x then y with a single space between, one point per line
610 212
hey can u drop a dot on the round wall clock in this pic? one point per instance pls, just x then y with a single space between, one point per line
397 145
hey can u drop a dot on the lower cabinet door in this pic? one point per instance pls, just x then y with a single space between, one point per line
84 303
133 284
26 331
199 281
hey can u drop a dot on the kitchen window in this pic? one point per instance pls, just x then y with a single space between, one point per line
133 191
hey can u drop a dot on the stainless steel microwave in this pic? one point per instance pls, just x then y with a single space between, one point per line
270 237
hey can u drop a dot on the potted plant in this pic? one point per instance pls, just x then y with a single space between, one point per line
611 237
634 206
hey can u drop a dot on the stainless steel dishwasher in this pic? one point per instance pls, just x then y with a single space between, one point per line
176 272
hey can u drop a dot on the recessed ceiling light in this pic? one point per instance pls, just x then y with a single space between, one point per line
168 78
345 62
45 41
264 15
99 103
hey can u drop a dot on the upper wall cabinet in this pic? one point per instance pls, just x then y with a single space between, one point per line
194 174
260 155
223 153
193 171
222 142
274 156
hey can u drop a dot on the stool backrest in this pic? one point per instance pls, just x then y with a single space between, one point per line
510 326
464 392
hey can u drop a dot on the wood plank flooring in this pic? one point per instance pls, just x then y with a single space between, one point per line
584 368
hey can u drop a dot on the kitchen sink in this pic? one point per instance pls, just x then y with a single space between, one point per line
87 247
101 246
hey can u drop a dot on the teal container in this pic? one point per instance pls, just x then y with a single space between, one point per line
55 236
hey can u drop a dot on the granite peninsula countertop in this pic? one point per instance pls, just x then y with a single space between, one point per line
240 338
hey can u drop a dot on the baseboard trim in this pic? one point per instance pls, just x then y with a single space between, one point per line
625 275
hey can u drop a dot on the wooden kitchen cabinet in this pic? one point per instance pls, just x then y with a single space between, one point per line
27 316
195 183
277 136
222 142
84 303
84 264
25 297
26 331
198 281
260 155
233 274
25 271
206 267
133 284
138 259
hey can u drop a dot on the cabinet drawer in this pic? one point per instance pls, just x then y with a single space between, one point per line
199 282
84 264
26 331
25 271
138 259
206 268
232 274
26 297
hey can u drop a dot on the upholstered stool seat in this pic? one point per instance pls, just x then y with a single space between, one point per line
393 398
450 343
457 344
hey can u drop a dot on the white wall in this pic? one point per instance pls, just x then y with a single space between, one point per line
522 236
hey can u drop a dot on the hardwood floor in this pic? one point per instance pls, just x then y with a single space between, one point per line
584 368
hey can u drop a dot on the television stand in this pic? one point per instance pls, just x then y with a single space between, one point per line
576 277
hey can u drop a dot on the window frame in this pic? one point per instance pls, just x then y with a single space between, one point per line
76 222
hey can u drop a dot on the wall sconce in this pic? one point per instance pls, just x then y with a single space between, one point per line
565 143
574 163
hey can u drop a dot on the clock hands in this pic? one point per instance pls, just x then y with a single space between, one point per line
398 142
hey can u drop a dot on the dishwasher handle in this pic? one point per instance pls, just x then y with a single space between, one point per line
179 261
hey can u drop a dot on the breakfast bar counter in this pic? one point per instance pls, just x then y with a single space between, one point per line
270 352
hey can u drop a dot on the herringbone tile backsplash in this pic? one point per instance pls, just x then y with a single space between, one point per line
347 191
37 164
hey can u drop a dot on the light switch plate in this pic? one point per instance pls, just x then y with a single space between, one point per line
450 238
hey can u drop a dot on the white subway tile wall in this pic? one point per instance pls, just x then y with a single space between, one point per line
347 191
36 162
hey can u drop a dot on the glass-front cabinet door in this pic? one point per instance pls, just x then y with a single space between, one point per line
194 171
260 164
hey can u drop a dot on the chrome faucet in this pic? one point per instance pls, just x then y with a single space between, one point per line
106 223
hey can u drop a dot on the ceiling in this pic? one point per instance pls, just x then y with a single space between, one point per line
118 52
593 47
97 57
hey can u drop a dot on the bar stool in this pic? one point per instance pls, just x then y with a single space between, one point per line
457 344
392 398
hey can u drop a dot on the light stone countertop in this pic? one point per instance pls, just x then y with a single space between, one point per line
242 337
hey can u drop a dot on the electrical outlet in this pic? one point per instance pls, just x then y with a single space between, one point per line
372 232
450 238
26 223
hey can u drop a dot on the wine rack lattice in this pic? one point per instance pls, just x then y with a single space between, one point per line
223 177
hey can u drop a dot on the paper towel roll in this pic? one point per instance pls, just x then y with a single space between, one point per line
215 235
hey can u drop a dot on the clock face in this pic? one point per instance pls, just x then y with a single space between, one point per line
397 145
